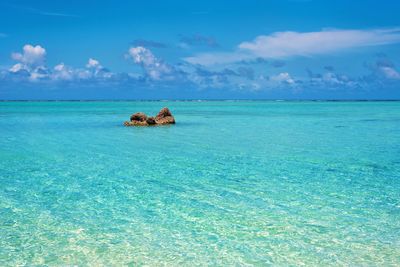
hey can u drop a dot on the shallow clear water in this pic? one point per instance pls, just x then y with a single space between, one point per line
245 183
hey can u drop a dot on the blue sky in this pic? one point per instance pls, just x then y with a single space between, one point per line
286 49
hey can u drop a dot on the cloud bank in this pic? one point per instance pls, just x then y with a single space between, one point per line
31 67
249 75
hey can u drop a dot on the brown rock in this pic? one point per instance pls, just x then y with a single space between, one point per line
166 120
165 117
136 123
141 119
139 116
164 112
151 121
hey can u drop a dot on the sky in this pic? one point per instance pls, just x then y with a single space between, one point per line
210 49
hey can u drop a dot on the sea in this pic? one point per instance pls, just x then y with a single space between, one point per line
232 183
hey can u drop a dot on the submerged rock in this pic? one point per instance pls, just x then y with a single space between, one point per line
141 119
135 123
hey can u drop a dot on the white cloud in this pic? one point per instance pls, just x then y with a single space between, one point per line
284 44
155 68
39 73
331 79
93 63
384 69
31 61
142 55
31 66
93 70
283 77
31 55
287 44
390 73
17 67
62 72
336 79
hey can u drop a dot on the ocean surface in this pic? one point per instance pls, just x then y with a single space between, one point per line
232 183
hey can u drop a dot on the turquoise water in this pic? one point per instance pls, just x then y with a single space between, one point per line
232 183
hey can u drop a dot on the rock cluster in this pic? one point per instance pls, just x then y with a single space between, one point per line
141 119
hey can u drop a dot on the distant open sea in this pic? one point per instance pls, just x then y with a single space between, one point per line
232 183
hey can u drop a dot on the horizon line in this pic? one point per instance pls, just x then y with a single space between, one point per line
197 100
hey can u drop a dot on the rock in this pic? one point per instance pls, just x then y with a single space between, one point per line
139 116
165 117
166 120
164 112
151 121
141 119
136 123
